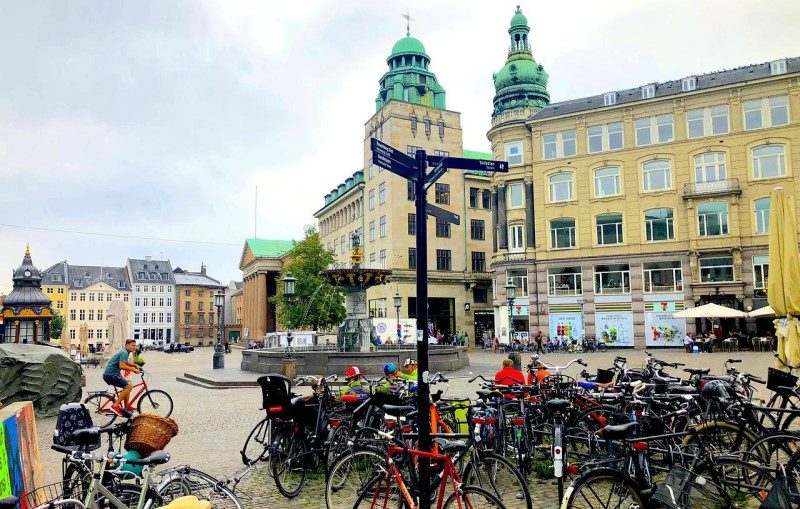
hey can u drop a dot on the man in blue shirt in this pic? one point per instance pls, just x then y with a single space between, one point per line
112 375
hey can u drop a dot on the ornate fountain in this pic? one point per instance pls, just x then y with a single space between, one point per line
355 334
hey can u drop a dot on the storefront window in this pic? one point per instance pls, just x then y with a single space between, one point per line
612 279
519 278
564 281
662 277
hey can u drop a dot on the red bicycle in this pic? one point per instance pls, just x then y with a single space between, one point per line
387 488
146 400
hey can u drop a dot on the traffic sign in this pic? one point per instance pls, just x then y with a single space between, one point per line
392 153
387 163
444 215
463 163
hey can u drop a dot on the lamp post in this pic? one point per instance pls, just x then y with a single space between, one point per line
289 283
398 302
219 350
582 301
511 291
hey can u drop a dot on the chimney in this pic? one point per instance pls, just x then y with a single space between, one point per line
203 269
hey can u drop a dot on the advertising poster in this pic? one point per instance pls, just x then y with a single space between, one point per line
565 323
5 482
386 329
614 324
660 328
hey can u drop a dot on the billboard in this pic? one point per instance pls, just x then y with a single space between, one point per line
660 328
614 324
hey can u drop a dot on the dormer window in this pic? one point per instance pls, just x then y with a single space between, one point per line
609 98
141 275
777 67
688 84
648 91
57 277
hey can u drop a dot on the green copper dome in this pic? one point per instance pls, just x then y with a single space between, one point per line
522 82
408 78
408 45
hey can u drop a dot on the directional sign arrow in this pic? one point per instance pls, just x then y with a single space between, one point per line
392 153
393 166
463 163
444 215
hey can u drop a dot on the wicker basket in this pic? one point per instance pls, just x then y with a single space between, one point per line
150 433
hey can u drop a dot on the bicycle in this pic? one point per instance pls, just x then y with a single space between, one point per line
154 401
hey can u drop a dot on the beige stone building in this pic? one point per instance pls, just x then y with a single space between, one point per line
624 207
195 310
89 301
378 207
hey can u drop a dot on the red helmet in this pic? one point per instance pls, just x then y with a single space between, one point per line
352 372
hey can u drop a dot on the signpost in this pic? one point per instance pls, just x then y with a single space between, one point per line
416 170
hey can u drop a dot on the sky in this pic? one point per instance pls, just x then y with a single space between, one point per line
153 122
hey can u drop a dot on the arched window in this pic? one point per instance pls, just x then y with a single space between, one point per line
712 219
561 187
607 181
769 161
562 233
656 175
761 207
658 224
710 167
609 229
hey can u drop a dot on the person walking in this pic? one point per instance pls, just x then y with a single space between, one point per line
538 340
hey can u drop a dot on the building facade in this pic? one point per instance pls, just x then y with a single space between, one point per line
26 310
261 264
153 320
622 208
88 292
198 323
378 206
233 310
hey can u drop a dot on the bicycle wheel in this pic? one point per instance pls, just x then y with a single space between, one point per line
77 478
155 402
773 450
602 347
726 481
100 407
602 487
498 476
380 492
184 481
473 497
721 436
349 475
256 447
288 463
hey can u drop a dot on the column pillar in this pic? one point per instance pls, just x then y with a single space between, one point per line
530 231
502 229
494 219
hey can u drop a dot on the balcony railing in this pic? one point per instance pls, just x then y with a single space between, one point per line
713 188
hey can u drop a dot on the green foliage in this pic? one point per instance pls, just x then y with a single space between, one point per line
542 469
56 325
317 304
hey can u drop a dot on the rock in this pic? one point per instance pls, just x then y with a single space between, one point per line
42 374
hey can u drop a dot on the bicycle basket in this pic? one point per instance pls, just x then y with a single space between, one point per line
55 492
777 378
605 376
275 391
673 492
150 433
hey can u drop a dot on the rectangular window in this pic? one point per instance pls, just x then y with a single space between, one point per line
760 272
371 199
412 258
516 241
612 279
91 297
73 297
443 194
707 121
514 153
187 306
91 315
659 225
601 138
656 175
712 219
665 128
411 150
515 195
595 139
477 229
615 141
688 84
719 120
519 278
372 260
382 193
648 91
768 112
377 308
564 281
716 270
72 314
382 258
473 197
478 261
662 277
486 199
372 231
480 295
778 110
549 146
752 114
82 314
643 134
99 314
607 182
443 259
442 228
609 229
200 306
569 146
412 224
383 226
694 124
410 190
609 98
562 233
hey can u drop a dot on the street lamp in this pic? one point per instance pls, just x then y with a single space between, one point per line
398 302
581 301
219 350
289 283
511 291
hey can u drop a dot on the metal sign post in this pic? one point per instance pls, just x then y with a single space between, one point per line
415 170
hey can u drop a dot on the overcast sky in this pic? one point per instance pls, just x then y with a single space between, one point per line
158 119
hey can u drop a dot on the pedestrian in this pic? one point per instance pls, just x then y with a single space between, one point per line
495 343
688 342
538 340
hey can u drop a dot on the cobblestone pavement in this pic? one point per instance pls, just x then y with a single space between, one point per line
214 423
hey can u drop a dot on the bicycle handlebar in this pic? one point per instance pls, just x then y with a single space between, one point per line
558 369
471 380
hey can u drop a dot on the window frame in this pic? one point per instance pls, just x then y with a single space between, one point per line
444 260
624 284
760 266
571 233
442 228
508 147
712 267
766 110
510 191
616 178
478 261
554 286
516 237
381 193
705 119
648 172
757 161
762 216
382 225
412 223
617 226
676 274
718 165
560 140
723 220
551 186
605 135
442 193
477 229
649 225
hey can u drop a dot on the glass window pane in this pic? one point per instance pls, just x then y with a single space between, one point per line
595 135
549 146
615 141
779 110
643 132
569 145
752 114
664 124
719 120
694 123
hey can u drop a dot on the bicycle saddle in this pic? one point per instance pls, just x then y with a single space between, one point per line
398 409
8 502
86 436
681 389
485 394
188 502
558 405
617 431
697 371
157 458
450 445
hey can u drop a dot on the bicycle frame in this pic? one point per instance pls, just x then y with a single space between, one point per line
96 487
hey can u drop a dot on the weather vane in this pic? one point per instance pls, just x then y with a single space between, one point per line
409 19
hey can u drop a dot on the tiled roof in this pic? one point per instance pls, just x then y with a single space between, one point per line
667 88
150 271
195 279
56 274
264 248
84 276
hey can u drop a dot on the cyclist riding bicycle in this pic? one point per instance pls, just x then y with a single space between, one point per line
112 375
356 384
394 380
409 370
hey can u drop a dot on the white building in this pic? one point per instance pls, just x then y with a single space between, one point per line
152 312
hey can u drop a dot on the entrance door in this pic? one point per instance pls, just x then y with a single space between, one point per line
484 327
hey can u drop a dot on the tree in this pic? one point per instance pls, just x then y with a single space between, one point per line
56 325
316 304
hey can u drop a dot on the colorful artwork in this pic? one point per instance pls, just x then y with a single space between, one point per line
615 329
20 469
565 325
5 483
663 330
